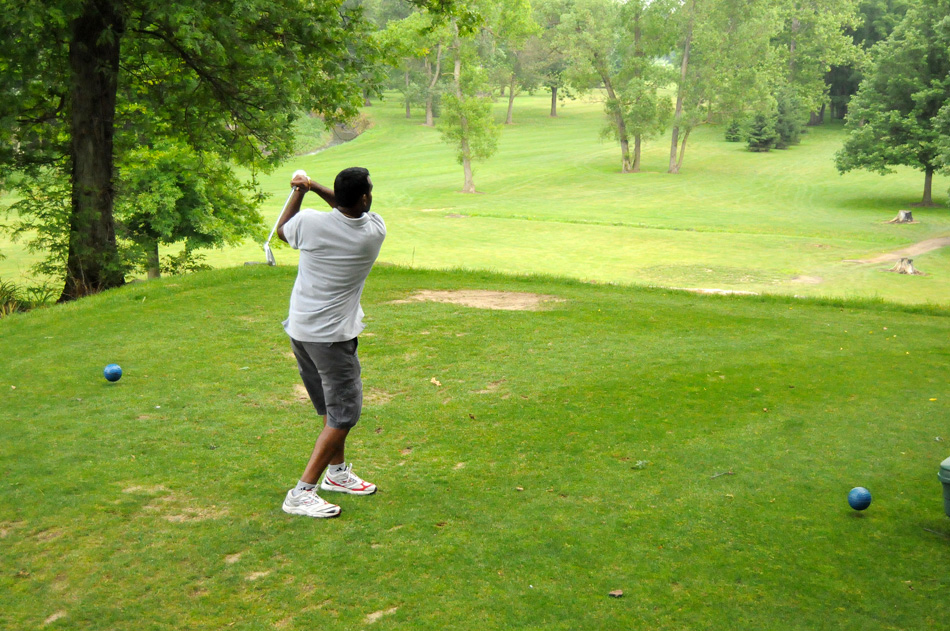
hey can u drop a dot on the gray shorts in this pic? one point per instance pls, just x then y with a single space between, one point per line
331 374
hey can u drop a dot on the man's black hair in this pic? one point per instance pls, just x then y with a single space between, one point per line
350 185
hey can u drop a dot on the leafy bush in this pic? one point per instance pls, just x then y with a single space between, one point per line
16 298
184 262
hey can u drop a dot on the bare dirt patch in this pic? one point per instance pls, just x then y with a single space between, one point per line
176 507
376 615
492 387
53 618
375 396
6 527
50 534
189 513
807 280
232 558
928 245
253 576
157 488
483 299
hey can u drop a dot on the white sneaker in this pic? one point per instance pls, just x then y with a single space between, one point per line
309 504
347 482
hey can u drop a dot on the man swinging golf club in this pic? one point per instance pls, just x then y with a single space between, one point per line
337 252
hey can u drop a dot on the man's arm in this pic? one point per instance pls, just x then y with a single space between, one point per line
302 184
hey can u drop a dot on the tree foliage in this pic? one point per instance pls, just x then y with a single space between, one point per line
467 123
762 135
895 118
83 82
171 193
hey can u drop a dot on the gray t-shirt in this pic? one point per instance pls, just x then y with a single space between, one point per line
336 254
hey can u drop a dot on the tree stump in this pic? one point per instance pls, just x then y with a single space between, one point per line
903 216
906 266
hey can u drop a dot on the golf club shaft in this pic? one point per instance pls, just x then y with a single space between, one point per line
274 229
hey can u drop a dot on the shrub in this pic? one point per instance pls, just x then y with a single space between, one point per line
16 298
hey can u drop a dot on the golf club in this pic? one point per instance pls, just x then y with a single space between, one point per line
268 253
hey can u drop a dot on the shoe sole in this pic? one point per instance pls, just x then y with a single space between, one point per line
343 489
296 511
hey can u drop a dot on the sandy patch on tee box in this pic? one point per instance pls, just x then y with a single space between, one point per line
923 247
483 299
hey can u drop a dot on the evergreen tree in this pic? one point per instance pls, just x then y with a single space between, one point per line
734 131
762 135
789 118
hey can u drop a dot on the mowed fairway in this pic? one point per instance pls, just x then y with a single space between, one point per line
694 452
552 200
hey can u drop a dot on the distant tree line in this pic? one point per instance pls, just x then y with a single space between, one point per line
122 121
765 68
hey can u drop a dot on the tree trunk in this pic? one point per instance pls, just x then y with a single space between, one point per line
152 262
625 166
366 101
636 154
678 113
469 186
553 101
93 263
817 118
408 113
679 161
433 80
927 199
511 99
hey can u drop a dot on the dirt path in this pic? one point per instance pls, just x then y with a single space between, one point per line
908 252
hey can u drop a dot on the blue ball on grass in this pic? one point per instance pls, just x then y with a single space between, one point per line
112 372
859 498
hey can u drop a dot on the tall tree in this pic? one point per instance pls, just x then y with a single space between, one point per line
647 36
815 36
466 121
169 194
511 26
876 20
85 79
608 49
893 119
725 64
551 49
417 43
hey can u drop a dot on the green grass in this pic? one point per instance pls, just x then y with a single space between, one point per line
154 503
553 202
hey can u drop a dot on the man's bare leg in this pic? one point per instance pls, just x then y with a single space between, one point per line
338 456
328 450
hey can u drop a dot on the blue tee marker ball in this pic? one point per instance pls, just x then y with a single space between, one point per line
859 498
112 372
